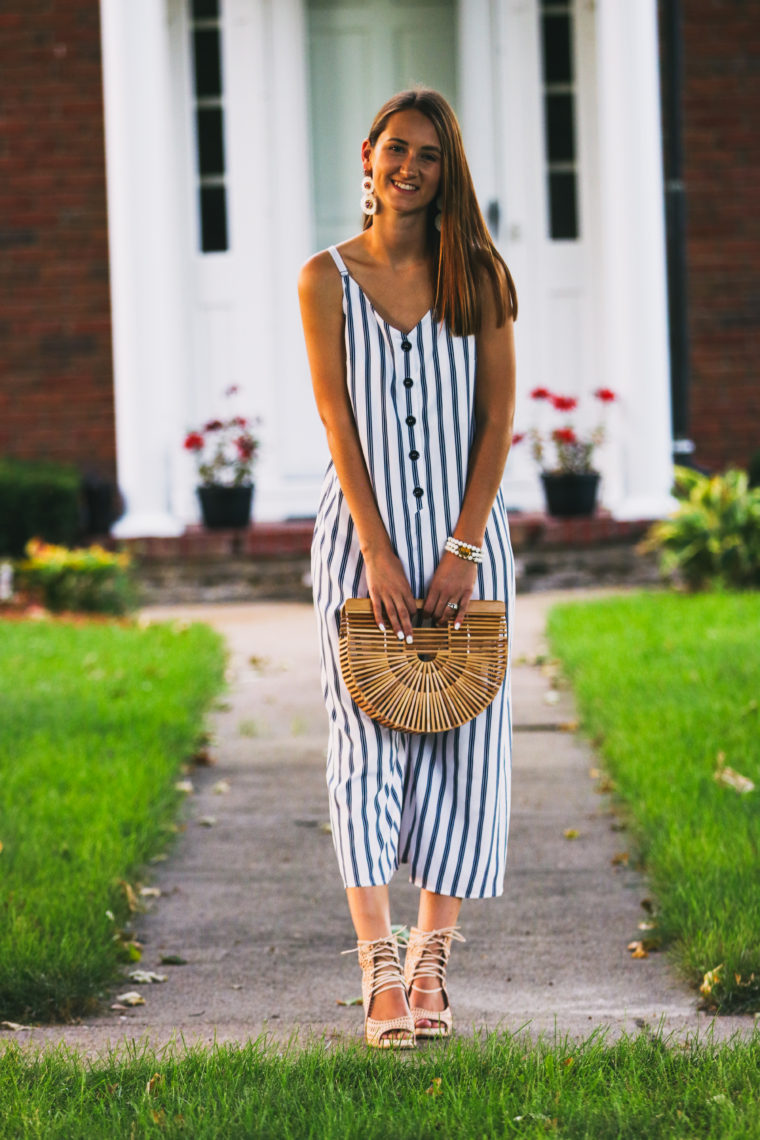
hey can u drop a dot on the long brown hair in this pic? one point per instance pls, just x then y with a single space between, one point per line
463 249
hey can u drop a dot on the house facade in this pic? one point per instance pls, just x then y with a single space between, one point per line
170 164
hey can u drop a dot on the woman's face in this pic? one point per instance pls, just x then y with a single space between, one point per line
405 162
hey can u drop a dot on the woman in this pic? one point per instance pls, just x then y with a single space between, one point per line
409 333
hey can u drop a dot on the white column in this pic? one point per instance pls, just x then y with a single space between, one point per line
144 265
634 357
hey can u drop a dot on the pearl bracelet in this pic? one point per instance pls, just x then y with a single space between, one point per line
464 550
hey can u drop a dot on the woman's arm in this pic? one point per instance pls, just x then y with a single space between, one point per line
454 579
320 293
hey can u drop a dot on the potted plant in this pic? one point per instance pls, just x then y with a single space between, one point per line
225 452
569 478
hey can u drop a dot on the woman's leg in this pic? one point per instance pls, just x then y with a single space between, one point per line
371 916
435 912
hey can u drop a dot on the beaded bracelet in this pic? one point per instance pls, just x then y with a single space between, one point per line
464 550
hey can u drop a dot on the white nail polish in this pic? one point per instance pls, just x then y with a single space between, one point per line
381 627
409 639
457 625
400 636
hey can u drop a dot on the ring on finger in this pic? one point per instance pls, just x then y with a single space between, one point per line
452 606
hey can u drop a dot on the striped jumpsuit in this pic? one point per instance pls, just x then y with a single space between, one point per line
438 801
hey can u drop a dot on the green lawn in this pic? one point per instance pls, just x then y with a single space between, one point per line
95 722
495 1087
668 687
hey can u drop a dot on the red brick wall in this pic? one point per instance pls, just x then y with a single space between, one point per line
56 375
721 40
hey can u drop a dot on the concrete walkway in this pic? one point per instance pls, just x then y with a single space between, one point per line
251 896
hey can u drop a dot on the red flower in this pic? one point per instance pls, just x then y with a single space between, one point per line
194 441
564 403
518 437
240 421
564 435
606 395
540 394
246 446
214 425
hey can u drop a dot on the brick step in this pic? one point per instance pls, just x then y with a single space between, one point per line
291 539
271 560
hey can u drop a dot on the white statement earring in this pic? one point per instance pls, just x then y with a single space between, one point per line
369 201
438 219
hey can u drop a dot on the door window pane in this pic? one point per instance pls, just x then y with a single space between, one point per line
208 113
556 22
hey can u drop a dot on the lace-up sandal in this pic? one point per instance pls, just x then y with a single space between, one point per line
427 956
381 971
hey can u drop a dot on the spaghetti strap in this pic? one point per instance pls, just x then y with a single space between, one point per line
338 261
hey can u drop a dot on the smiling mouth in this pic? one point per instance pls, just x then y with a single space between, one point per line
406 186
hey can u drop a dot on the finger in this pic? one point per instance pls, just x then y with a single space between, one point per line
464 606
399 619
377 610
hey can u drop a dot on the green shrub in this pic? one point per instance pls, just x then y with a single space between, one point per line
90 579
37 499
713 539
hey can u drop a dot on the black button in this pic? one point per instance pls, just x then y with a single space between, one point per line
406 344
418 492
408 382
414 454
411 420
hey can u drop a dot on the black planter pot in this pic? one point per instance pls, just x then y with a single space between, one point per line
225 506
570 495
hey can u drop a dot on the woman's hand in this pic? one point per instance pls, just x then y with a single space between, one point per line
453 581
390 593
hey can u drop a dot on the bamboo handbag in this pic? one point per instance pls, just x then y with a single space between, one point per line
443 679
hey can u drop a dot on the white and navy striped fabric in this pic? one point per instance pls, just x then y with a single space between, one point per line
440 801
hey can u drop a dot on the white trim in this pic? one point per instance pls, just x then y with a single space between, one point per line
144 261
632 317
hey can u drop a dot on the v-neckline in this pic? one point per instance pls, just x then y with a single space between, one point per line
380 317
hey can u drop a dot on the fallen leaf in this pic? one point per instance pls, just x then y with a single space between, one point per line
159 1116
156 1079
647 925
13 1026
349 1001
648 905
131 997
571 833
185 786
150 892
326 828
129 894
160 858
435 1087
604 785
730 778
637 950
568 726
203 759
221 787
207 820
1 846
173 960
711 979
568 1061
620 859
594 773
146 977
